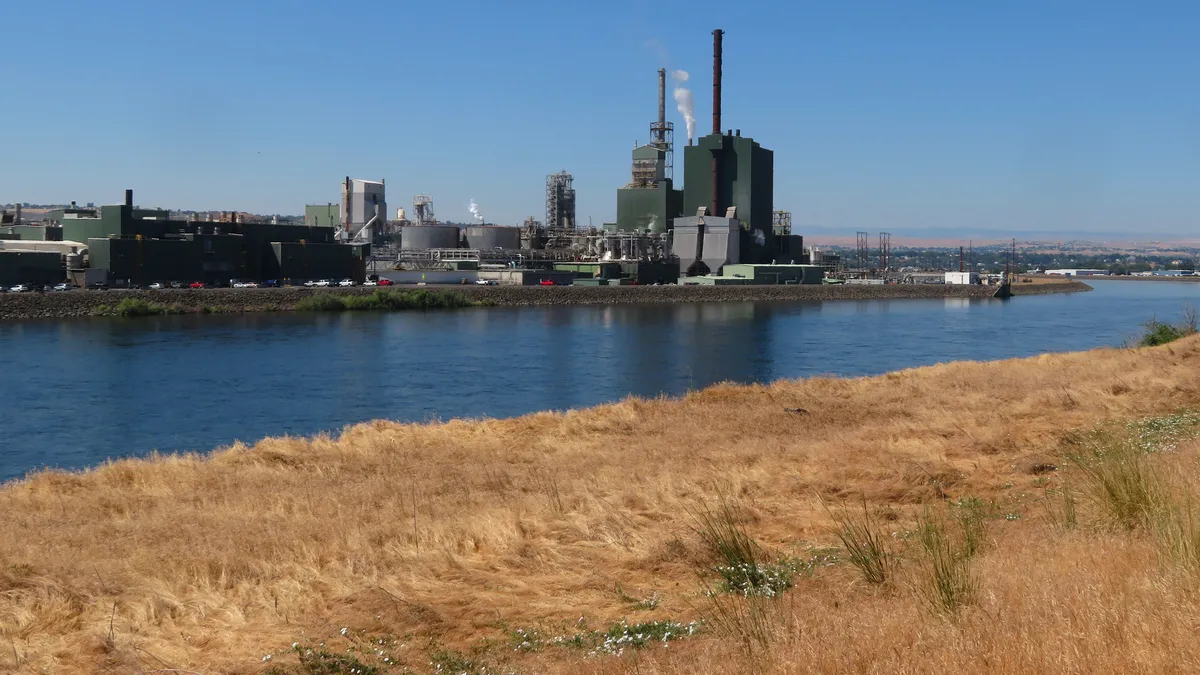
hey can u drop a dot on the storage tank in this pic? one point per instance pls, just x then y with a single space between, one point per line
417 237
488 237
74 261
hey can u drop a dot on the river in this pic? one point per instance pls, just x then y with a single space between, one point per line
76 392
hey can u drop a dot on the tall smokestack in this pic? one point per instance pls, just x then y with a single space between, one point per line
717 80
129 198
662 105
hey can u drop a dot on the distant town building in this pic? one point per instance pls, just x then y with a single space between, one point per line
1077 273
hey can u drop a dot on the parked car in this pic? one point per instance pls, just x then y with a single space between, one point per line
369 282
196 284
98 286
270 283
64 286
322 283
20 288
486 282
548 282
176 284
245 284
156 286
346 283
386 282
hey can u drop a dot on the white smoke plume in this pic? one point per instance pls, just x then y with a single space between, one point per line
474 208
684 101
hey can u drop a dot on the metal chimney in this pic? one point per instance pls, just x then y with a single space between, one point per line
662 105
717 80
129 198
715 210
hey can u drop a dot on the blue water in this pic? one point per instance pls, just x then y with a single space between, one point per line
75 392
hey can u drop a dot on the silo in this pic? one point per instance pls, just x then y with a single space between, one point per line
418 237
489 237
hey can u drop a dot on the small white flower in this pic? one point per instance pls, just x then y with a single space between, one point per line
343 631
267 657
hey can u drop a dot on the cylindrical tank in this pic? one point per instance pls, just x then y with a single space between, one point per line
815 256
74 261
488 237
417 237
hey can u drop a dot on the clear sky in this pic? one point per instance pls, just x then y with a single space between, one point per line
883 115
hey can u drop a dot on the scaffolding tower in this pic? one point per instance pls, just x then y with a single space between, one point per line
863 253
781 222
885 250
423 210
560 201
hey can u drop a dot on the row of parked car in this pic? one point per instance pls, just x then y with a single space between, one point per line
30 288
161 285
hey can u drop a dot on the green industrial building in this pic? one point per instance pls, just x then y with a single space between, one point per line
322 215
30 267
650 201
138 246
745 179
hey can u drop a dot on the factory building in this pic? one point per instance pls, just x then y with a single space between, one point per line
127 245
322 215
729 186
363 208
650 201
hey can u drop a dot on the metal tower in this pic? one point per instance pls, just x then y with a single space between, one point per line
423 210
560 201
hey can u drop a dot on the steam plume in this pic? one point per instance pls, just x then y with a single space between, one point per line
684 102
474 208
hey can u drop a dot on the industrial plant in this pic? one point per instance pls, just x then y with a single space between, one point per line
720 227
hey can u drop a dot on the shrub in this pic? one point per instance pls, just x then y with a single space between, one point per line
384 300
139 307
1160 333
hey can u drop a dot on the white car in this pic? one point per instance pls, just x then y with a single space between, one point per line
63 287
346 283
19 288
156 286
368 282
323 283
246 284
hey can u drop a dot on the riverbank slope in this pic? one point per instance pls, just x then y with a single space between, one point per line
18 306
478 543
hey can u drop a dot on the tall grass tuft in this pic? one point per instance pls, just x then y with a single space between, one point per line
866 544
949 551
1120 482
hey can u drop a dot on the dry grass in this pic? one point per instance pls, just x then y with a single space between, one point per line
452 534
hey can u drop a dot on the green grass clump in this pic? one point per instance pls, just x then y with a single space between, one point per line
139 307
743 566
384 300
867 546
949 545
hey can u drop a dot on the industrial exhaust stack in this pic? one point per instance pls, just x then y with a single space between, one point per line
662 106
716 165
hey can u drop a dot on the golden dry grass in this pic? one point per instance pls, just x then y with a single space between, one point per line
449 534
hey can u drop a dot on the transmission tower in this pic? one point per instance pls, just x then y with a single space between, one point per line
863 251
885 250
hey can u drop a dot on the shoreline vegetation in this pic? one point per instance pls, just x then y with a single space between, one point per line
20 306
1028 515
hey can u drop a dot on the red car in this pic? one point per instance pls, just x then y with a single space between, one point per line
385 282
547 282
196 284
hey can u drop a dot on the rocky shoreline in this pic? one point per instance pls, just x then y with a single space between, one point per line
80 303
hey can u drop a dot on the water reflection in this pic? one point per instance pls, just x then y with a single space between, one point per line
97 388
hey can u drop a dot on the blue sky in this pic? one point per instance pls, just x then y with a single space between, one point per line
900 116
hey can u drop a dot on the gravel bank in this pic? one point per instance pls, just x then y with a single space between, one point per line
79 303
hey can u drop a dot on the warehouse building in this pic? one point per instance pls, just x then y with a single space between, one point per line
127 245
